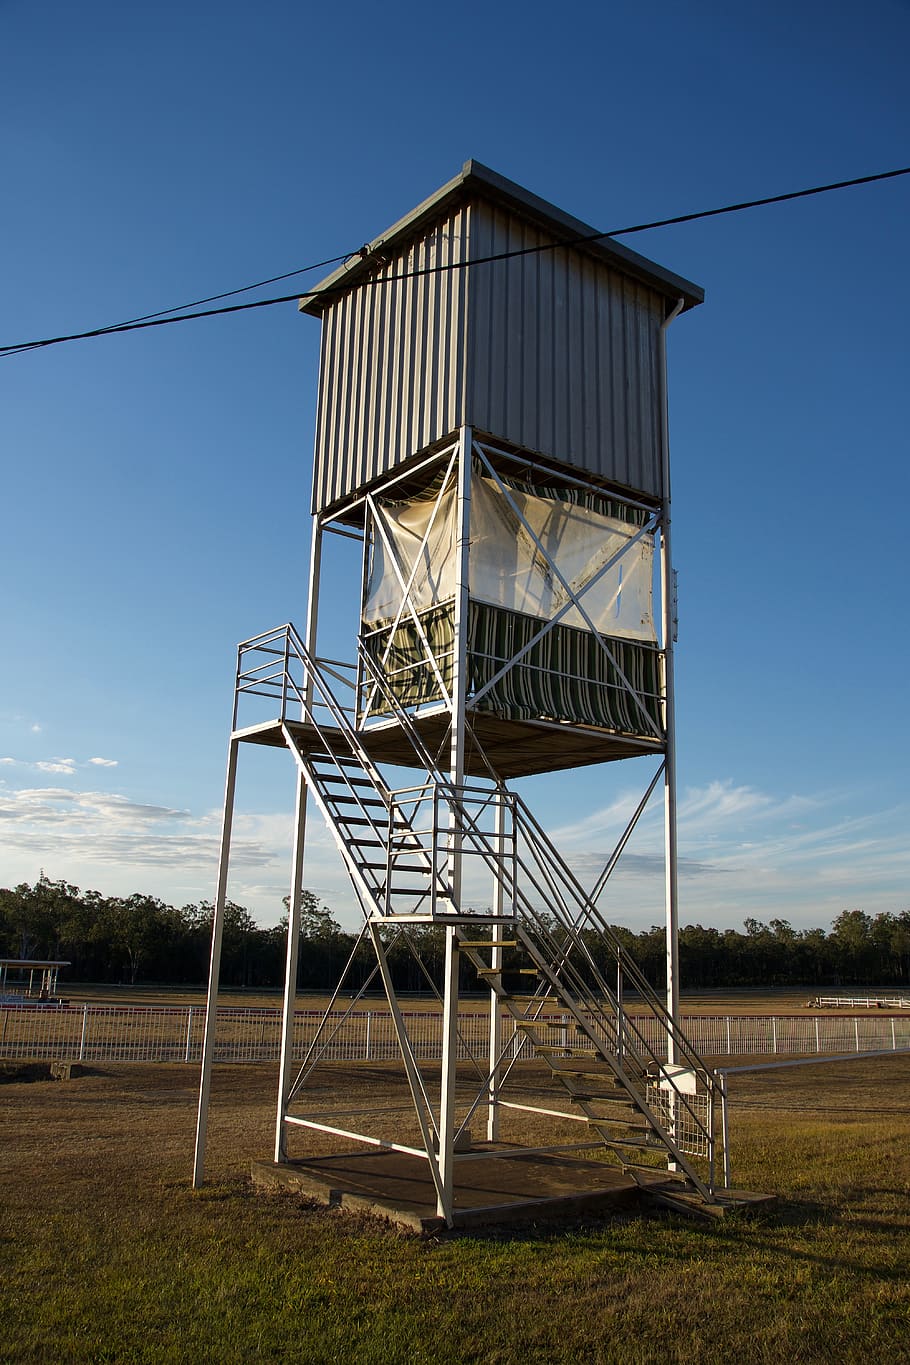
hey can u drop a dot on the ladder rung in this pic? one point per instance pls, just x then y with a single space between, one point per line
528 971
679 1177
348 779
599 1120
488 943
636 1146
589 1097
374 821
546 1048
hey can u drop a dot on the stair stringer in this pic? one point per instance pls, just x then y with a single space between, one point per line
625 1082
370 892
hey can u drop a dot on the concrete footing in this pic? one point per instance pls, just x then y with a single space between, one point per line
494 1185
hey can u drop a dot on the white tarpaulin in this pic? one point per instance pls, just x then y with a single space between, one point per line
514 553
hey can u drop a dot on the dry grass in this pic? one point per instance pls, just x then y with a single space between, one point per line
719 1002
107 1255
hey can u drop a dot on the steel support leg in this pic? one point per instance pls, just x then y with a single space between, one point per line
211 1007
495 1062
290 979
446 1200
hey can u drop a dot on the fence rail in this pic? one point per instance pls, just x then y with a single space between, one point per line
149 1033
876 1002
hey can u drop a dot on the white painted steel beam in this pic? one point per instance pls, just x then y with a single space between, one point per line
211 1007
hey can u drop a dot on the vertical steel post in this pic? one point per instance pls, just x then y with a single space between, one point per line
446 1198
668 603
188 1044
496 963
619 1012
459 660
312 609
286 1051
456 774
211 1006
725 1128
290 975
84 1033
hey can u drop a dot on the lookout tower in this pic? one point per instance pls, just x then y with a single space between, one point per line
492 432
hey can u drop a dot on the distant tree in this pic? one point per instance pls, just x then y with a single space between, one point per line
136 928
854 946
316 920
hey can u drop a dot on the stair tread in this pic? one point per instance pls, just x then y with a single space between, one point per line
489 943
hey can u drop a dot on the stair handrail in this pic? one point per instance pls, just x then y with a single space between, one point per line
589 908
571 925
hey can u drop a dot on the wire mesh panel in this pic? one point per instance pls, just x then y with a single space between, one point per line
685 1118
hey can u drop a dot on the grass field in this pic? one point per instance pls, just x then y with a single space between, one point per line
106 1254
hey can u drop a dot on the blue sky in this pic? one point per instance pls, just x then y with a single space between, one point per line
156 485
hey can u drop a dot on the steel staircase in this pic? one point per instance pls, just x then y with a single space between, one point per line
615 1078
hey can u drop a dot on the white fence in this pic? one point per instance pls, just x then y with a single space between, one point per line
127 1033
877 1002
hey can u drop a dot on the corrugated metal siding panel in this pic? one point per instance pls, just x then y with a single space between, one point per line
563 355
392 366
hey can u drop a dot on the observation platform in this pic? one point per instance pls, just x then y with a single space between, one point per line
493 1186
512 748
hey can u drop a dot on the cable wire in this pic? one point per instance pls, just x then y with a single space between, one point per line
162 320
178 307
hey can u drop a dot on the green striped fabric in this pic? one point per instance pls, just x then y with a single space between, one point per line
566 676
407 669
590 498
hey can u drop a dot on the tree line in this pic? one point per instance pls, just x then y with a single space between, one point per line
139 938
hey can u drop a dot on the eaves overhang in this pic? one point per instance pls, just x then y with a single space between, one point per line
476 181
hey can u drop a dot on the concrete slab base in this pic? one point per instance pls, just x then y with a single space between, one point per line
491 1186
494 1185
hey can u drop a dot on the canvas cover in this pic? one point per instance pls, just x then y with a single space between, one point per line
565 675
511 565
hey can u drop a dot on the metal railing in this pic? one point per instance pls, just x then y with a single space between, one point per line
873 1002
149 1033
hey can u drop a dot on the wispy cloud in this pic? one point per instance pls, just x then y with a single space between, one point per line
66 766
742 852
118 844
803 856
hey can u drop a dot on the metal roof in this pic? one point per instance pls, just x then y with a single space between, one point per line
478 181
32 962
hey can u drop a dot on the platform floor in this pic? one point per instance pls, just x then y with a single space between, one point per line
492 1187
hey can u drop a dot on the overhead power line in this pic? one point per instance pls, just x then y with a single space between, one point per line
163 320
179 307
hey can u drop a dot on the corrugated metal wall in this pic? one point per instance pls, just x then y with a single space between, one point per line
392 367
563 354
554 352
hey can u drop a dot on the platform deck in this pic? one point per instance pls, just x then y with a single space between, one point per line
494 1186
